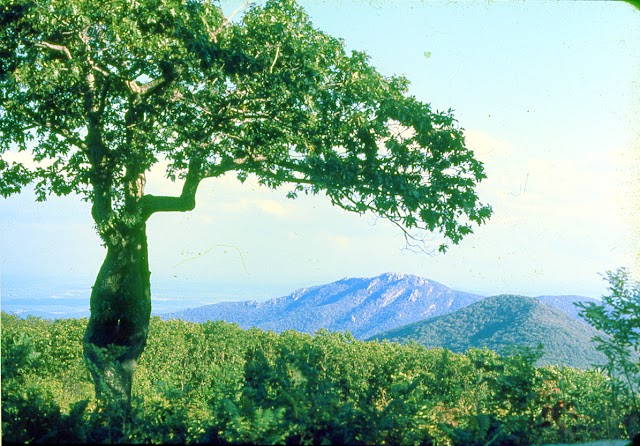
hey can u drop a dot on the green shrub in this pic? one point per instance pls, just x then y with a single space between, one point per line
217 383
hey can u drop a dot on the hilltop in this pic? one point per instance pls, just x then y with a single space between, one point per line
502 321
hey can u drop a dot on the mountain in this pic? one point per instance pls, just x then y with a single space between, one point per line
566 303
363 306
507 320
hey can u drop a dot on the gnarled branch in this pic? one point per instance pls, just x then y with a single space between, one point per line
150 204
170 73
214 35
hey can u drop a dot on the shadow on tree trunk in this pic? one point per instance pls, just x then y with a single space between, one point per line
118 327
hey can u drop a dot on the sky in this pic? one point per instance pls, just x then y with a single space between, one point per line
548 94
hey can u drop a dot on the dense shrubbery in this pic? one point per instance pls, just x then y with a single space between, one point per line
618 318
215 382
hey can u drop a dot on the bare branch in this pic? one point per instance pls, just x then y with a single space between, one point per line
133 87
274 59
102 71
90 95
248 159
153 85
214 35
54 47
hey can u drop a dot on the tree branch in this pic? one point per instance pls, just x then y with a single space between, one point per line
150 204
54 47
274 59
103 96
287 178
101 176
234 164
38 121
170 73
214 35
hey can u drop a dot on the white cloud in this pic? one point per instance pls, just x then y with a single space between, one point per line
25 158
338 241
206 219
547 185
271 207
486 147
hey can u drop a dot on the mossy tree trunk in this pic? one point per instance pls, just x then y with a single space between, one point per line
121 297
120 311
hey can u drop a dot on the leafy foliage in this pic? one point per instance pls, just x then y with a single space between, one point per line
268 95
217 383
618 318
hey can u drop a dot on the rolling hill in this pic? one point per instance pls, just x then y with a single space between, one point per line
502 321
363 306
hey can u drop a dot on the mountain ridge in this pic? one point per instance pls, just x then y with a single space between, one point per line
362 306
500 322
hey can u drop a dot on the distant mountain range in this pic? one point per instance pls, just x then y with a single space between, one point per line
403 307
398 307
502 321
361 306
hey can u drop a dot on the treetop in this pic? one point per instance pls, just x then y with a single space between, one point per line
99 95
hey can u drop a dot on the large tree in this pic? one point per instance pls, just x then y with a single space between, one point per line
99 95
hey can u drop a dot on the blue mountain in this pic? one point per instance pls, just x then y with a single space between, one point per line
362 306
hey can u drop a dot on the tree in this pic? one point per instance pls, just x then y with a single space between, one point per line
618 318
99 96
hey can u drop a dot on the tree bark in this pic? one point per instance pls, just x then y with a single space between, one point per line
120 312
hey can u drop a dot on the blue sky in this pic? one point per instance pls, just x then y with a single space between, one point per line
548 93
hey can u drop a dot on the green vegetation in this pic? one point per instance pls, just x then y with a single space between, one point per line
215 382
501 322
618 318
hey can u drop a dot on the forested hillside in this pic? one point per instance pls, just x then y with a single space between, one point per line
215 382
501 322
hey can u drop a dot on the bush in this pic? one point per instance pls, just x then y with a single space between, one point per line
618 318
216 383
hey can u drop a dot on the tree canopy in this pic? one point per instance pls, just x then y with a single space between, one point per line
99 95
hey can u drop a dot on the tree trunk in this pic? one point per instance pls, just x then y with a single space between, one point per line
120 311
